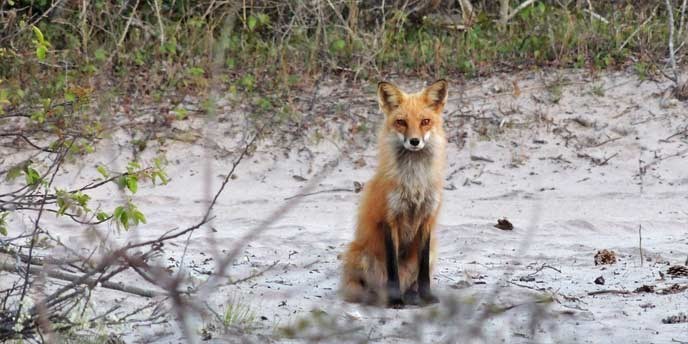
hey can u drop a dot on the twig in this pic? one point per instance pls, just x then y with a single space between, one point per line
672 57
609 291
637 30
640 243
124 33
657 160
682 132
606 141
544 266
319 192
26 139
596 16
515 11
683 16
58 161
604 162
65 276
162 28
466 12
257 274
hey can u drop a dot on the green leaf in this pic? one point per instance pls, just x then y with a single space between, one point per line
100 55
230 63
162 176
3 223
124 220
102 216
252 21
139 216
118 212
338 45
41 50
32 176
132 184
196 71
122 181
101 169
39 35
133 166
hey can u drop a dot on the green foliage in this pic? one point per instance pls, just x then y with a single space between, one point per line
41 44
102 216
103 172
31 176
129 181
75 202
3 223
127 216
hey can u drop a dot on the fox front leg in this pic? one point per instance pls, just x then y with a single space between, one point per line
392 264
426 296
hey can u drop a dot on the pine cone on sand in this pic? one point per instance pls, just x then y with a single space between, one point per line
605 257
678 270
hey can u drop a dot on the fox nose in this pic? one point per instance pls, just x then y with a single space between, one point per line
414 142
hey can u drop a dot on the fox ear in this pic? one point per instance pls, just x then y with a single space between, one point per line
389 96
435 95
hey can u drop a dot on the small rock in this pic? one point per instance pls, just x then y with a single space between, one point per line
299 178
599 280
358 186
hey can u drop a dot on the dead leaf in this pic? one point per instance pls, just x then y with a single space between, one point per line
504 225
517 90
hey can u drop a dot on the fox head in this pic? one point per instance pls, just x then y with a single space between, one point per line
413 118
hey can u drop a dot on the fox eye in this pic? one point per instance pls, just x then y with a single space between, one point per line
401 122
425 122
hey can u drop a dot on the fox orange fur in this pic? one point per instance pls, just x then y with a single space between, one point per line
390 258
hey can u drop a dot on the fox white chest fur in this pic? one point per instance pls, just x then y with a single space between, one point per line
417 194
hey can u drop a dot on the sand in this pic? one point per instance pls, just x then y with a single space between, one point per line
576 168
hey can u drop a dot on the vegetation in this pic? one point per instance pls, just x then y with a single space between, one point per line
63 51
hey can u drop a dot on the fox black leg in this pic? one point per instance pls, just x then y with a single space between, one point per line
411 295
393 288
426 296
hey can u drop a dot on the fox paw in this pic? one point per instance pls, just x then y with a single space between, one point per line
411 297
428 299
396 303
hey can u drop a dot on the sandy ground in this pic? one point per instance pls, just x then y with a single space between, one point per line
574 177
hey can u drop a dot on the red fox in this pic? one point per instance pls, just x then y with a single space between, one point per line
390 258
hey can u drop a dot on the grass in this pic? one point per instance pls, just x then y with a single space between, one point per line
238 314
279 48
